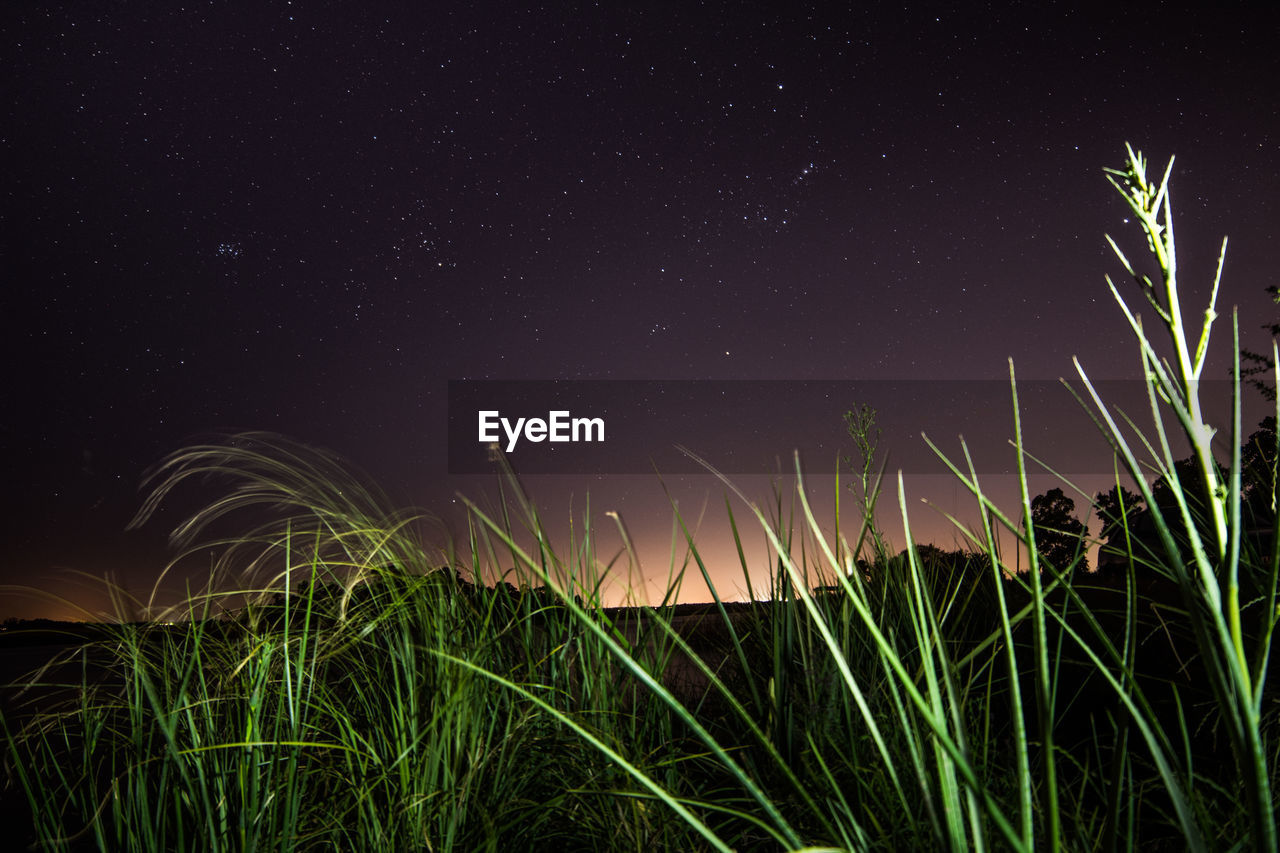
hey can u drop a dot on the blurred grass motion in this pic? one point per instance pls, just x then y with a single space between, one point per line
338 684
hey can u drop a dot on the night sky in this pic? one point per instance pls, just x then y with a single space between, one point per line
308 218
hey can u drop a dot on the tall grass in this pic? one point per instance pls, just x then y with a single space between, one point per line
339 684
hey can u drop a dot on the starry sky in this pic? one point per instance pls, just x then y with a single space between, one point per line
309 217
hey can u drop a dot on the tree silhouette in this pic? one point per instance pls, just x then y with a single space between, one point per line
1258 492
1261 367
1115 506
1120 510
1059 534
1258 464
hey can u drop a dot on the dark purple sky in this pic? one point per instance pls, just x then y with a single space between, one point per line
308 217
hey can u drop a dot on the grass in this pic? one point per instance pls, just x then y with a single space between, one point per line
332 686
